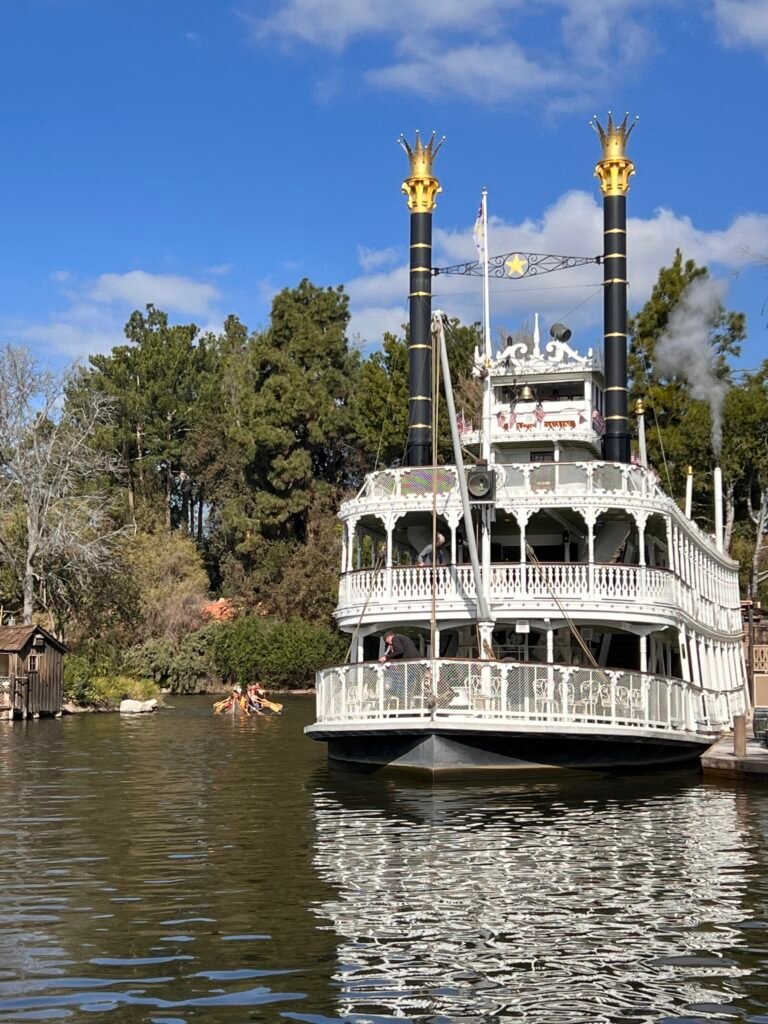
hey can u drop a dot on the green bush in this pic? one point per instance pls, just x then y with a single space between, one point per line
110 690
150 660
91 681
186 666
80 671
277 654
192 666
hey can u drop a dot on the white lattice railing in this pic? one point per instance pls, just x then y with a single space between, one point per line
572 478
512 692
515 583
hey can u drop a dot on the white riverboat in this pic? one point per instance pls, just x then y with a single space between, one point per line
579 618
583 557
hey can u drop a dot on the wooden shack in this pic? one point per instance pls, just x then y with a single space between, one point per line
31 672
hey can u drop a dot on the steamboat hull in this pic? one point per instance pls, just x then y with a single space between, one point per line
439 751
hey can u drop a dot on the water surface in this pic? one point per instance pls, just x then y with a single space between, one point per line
184 867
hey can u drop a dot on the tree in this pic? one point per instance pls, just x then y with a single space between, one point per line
680 427
379 406
746 464
167 575
286 432
154 382
57 532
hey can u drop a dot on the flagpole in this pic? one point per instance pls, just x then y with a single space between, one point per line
486 515
487 384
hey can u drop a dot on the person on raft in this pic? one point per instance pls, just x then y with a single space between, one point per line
256 696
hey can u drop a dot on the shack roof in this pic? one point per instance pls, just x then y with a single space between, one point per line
15 638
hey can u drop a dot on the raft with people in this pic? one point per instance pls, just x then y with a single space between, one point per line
249 700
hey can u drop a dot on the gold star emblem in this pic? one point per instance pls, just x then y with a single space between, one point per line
516 266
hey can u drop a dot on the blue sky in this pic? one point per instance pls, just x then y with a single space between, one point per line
202 154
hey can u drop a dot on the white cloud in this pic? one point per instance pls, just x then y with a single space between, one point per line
334 23
168 291
368 325
92 314
572 226
220 269
472 48
371 259
743 22
76 332
486 72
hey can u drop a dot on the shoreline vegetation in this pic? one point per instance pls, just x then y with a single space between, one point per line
113 706
169 510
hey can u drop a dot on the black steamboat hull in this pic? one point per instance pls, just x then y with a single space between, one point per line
443 753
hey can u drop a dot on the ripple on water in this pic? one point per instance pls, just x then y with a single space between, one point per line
223 855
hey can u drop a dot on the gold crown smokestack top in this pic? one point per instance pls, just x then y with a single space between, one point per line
614 172
421 188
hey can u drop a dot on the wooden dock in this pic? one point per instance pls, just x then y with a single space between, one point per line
721 760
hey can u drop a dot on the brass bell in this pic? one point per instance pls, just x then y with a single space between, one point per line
526 395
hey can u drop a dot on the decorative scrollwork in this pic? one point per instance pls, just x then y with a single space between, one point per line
517 265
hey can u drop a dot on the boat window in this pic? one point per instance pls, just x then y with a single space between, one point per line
542 456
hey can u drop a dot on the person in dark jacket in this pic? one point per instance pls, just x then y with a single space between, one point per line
398 647
441 552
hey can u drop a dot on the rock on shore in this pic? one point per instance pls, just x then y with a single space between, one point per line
137 707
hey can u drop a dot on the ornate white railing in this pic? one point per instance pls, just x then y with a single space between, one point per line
517 693
546 583
571 478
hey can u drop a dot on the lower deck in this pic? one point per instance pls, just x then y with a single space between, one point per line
447 714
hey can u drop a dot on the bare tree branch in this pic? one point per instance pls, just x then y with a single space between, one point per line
51 484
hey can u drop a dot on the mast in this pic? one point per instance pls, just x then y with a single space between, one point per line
614 171
421 188
487 347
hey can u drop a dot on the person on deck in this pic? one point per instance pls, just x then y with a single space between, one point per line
441 554
398 647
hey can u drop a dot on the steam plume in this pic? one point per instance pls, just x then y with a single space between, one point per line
684 348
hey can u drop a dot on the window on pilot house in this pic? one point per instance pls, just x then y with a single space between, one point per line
542 457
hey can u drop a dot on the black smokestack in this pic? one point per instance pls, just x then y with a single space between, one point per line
614 171
616 446
421 187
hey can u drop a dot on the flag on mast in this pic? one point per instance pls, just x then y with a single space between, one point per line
479 233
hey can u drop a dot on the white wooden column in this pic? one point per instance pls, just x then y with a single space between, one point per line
522 522
685 661
670 542
436 652
693 645
643 653
352 527
590 518
641 522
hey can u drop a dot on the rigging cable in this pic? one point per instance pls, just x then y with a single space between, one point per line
435 407
569 621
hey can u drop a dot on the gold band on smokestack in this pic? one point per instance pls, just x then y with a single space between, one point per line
614 171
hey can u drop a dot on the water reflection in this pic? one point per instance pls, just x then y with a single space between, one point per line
617 900
185 868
